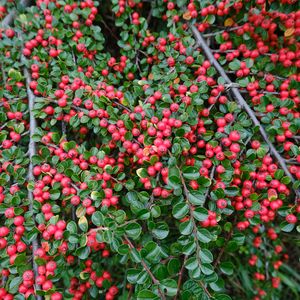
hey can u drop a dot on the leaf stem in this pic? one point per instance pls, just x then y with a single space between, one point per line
195 230
153 278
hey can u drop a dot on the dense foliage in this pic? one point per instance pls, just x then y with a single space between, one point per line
149 149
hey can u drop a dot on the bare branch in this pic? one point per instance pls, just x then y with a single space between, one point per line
32 152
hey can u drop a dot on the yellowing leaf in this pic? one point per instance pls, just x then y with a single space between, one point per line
45 246
176 80
228 22
272 194
289 32
187 15
146 151
80 211
151 76
83 241
83 223
139 172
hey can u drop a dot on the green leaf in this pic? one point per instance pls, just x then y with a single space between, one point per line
204 235
186 227
72 227
285 180
204 182
207 269
278 174
196 197
83 224
222 297
180 210
189 248
173 266
234 65
133 230
96 195
15 75
200 214
161 230
97 218
14 284
286 227
142 277
120 216
227 268
142 173
152 252
231 191
174 177
132 275
169 286
191 263
206 256
82 252
146 295
190 173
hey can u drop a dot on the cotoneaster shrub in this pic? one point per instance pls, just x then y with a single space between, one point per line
149 149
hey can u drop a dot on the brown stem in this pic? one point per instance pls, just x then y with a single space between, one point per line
256 74
181 272
212 174
221 31
154 280
223 248
121 105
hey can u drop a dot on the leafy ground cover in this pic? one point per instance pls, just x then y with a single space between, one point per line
149 149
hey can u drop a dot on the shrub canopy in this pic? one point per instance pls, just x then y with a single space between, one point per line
149 149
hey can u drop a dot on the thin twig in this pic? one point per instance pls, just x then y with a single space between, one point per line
264 75
212 174
181 272
149 16
149 205
221 31
153 278
292 162
242 102
231 51
172 69
217 261
109 29
3 74
121 105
